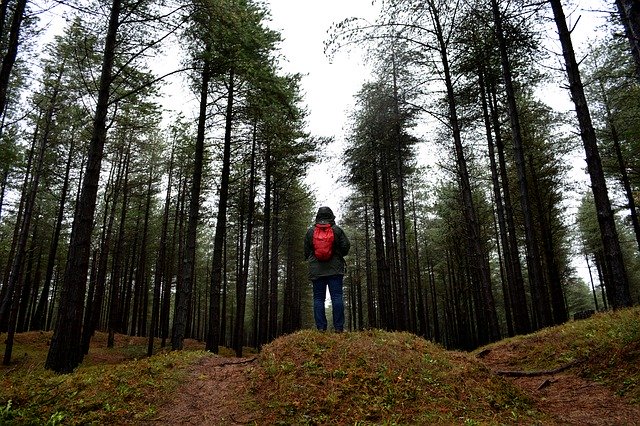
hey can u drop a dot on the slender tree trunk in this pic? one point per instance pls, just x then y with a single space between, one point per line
622 166
402 232
114 320
94 307
629 11
15 282
30 284
593 287
606 219
273 267
423 319
183 295
213 337
434 301
491 330
173 255
9 59
65 352
9 284
160 262
241 284
384 288
39 319
533 256
544 211
263 306
497 197
522 323
372 316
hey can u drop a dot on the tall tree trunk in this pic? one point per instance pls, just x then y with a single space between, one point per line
161 260
213 337
39 316
142 280
7 291
15 278
622 166
522 323
533 256
391 254
114 321
402 232
384 286
94 307
241 284
490 328
274 260
183 294
606 219
263 307
9 58
544 211
629 11
175 253
30 284
65 352
372 316
497 197
423 318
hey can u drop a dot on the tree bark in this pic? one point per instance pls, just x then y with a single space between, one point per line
65 352
629 11
213 337
183 294
533 256
241 284
263 304
9 59
161 260
606 220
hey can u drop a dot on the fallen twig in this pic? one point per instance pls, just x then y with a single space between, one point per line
536 373
245 361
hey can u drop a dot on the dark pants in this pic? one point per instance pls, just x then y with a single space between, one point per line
334 282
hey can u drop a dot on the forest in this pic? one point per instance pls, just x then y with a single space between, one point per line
120 216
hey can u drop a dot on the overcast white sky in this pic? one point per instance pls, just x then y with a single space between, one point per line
328 87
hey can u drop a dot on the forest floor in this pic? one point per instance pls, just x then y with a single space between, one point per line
212 395
217 391
565 396
583 372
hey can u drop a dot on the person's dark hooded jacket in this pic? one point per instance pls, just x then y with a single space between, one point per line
341 246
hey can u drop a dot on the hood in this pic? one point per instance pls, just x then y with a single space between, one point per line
325 215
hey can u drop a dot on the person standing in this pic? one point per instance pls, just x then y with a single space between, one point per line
325 246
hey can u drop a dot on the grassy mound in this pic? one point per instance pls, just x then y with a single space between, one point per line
606 348
378 377
112 386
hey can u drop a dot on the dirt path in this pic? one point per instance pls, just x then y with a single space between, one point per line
570 399
214 395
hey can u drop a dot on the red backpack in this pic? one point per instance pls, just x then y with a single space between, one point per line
323 241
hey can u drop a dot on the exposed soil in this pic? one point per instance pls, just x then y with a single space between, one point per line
568 398
215 394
